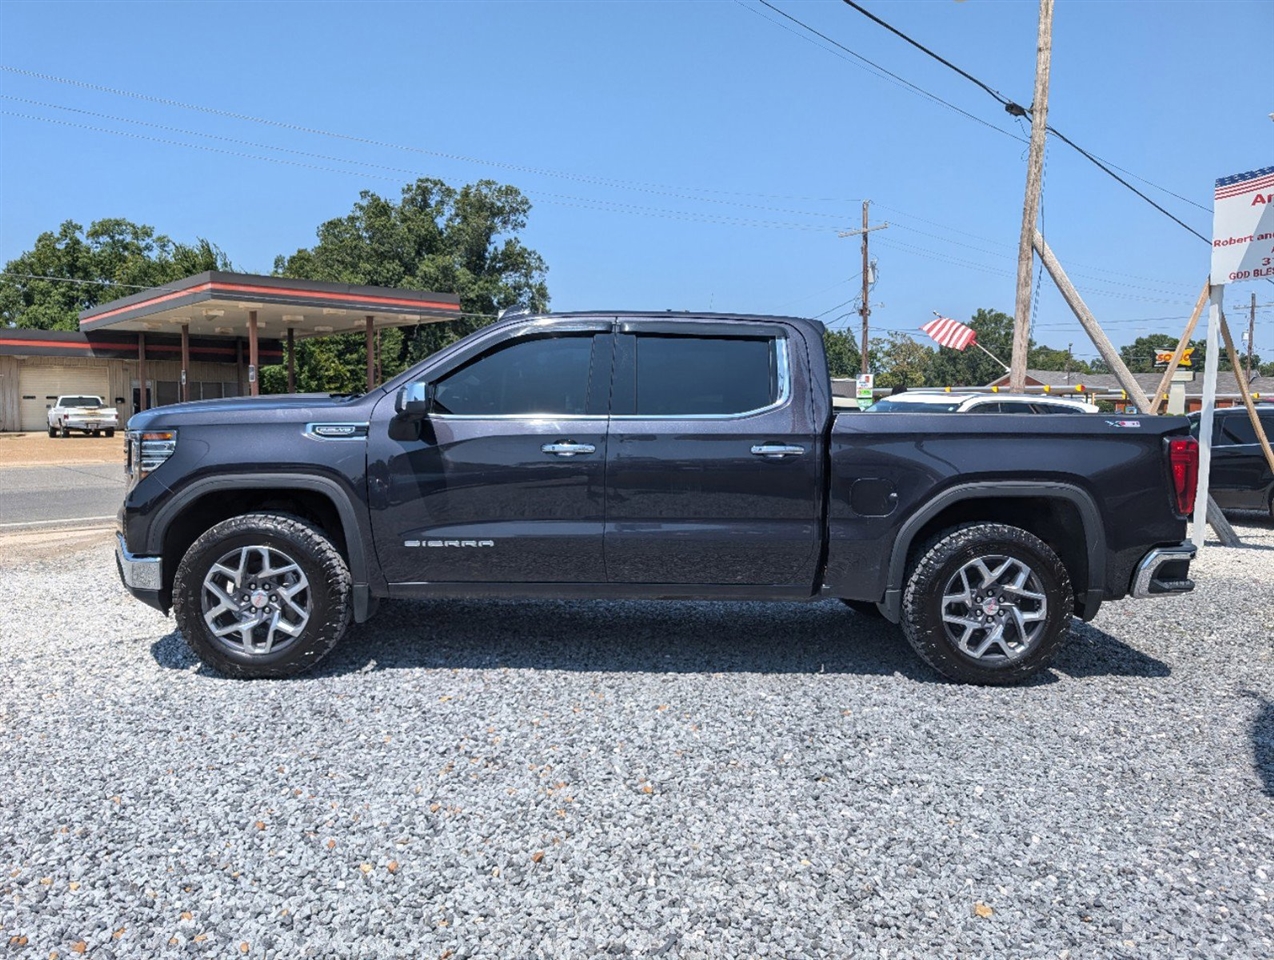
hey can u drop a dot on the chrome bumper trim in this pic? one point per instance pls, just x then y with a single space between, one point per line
1147 583
138 573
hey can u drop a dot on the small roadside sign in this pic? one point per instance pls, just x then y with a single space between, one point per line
1164 357
865 382
1243 227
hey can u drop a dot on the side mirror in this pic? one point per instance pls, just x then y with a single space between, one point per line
414 400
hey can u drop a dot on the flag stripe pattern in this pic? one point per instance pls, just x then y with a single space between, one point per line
1243 182
950 333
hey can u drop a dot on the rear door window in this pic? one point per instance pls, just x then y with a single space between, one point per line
694 376
1236 429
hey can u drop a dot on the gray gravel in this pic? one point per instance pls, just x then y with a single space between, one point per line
504 779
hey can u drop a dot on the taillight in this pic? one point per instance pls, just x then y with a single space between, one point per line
1183 462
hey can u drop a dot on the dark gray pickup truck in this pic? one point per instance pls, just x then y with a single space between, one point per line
643 455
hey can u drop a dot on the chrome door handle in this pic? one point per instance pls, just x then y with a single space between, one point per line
566 448
776 451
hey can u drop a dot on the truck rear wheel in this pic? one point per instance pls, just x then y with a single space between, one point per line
262 595
987 604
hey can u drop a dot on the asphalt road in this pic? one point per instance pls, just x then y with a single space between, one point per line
52 494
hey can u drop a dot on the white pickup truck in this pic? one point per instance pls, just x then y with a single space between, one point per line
88 414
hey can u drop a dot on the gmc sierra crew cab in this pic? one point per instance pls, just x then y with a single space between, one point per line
645 455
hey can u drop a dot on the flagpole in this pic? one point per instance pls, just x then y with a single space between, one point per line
1007 368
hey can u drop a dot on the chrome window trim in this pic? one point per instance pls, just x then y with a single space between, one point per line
784 390
544 417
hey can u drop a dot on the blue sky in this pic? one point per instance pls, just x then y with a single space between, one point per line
679 155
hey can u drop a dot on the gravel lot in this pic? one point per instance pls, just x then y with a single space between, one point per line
542 779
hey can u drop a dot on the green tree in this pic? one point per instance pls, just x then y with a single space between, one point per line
436 237
843 356
972 367
1050 358
73 270
900 361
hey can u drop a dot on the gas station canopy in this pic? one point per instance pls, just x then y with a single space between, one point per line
223 304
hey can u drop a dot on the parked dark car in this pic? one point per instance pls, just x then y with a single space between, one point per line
1240 477
656 456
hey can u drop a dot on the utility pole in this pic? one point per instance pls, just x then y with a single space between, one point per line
1031 206
865 310
1251 335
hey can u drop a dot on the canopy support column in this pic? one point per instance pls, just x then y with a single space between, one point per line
371 353
254 356
291 360
141 373
185 362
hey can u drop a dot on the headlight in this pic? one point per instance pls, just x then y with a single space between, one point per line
146 451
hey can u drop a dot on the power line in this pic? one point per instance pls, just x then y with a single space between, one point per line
887 74
367 141
91 283
587 203
364 163
1017 110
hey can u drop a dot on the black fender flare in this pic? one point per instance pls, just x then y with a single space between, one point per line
1089 594
356 536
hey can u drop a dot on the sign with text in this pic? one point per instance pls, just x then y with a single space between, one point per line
865 382
1243 227
1164 357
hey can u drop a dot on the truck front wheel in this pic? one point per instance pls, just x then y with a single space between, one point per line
262 595
988 604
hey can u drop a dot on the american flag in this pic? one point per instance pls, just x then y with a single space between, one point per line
950 333
1241 183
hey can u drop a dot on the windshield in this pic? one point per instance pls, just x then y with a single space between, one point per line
81 401
912 406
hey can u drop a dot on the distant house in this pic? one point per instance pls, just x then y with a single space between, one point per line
1227 386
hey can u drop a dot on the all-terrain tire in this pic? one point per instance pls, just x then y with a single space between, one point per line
270 538
942 569
53 431
110 433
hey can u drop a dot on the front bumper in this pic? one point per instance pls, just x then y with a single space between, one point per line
1164 570
143 577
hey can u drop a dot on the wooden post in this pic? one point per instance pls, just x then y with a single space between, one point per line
1161 395
254 355
1251 337
1090 325
371 353
291 360
865 310
1031 206
185 362
1225 533
1246 393
141 372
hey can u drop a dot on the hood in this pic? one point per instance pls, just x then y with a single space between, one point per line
276 408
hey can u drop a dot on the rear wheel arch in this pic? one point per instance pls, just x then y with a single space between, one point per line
1062 514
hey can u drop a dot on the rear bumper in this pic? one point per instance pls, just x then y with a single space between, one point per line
1164 570
143 577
